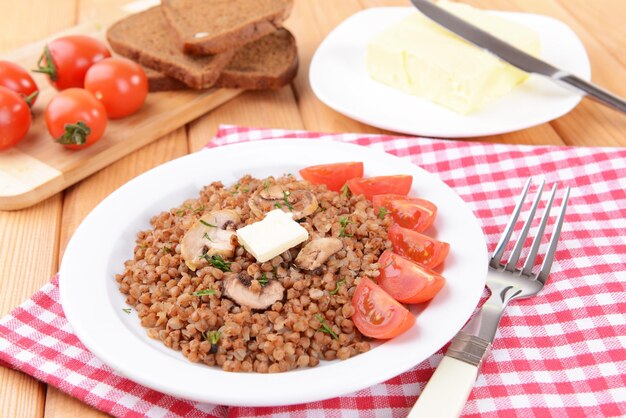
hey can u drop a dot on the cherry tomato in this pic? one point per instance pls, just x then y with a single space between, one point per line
15 78
408 212
334 176
406 281
67 59
15 118
75 118
120 84
418 247
399 184
378 315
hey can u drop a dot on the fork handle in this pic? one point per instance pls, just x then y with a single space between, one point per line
447 390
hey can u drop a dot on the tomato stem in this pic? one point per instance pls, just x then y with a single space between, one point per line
29 99
49 68
75 134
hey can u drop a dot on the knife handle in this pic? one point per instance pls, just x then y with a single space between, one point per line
593 91
447 390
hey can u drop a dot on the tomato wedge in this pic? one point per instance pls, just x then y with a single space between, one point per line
334 176
399 184
406 281
420 248
378 315
408 212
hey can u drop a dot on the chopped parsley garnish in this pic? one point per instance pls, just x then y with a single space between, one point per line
199 209
263 280
205 223
204 292
266 184
382 212
180 212
337 286
206 235
278 205
217 262
245 189
325 328
212 337
167 249
235 189
127 310
345 190
344 221
289 205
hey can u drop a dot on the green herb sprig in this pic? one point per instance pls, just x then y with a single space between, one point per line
127 310
212 337
204 292
344 221
263 280
217 261
382 212
337 286
289 205
325 328
345 191
205 223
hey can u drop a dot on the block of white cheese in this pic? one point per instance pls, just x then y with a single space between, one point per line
273 235
421 58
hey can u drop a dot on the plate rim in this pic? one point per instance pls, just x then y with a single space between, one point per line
323 393
485 130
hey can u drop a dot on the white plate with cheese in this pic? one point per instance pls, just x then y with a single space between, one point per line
339 77
106 238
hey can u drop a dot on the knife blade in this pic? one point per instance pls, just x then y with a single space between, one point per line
515 56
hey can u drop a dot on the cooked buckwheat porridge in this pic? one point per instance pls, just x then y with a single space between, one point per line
198 290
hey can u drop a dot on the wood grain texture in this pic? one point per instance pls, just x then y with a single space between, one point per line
262 109
28 258
79 201
27 20
160 114
601 20
539 135
29 238
33 240
310 22
589 124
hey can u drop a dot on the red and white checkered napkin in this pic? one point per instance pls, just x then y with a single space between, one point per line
559 353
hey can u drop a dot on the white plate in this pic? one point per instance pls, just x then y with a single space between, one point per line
93 304
339 78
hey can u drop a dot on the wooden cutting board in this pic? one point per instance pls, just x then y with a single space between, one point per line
38 167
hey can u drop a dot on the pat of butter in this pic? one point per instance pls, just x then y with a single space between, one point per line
273 235
421 58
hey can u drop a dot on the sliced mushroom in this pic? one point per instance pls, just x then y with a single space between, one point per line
300 203
210 235
237 287
316 252
323 221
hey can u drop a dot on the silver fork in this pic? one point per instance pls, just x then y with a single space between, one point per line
447 391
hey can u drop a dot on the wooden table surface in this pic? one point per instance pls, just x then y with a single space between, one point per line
32 240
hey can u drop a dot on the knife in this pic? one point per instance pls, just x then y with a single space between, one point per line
516 57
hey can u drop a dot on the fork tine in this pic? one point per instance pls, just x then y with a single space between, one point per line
532 254
508 230
519 244
547 262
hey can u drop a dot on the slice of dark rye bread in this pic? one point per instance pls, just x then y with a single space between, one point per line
146 38
268 63
214 26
